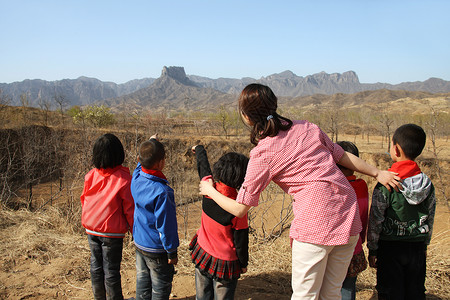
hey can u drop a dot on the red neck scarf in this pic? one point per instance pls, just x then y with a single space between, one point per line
226 190
156 173
223 188
405 168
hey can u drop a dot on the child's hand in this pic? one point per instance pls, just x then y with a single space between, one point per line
205 187
155 136
389 179
193 148
372 261
172 261
243 270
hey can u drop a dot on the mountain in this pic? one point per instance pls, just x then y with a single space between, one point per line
173 90
80 91
287 84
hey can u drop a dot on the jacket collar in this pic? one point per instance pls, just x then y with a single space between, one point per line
108 171
156 173
405 168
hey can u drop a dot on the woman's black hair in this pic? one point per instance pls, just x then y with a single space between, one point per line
258 103
230 169
349 147
107 152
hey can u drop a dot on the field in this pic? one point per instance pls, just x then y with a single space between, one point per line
45 253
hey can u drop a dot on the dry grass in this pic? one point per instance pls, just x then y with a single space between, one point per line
44 258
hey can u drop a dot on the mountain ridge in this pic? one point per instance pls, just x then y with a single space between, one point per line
173 88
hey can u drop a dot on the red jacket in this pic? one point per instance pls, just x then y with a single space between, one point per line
362 195
107 204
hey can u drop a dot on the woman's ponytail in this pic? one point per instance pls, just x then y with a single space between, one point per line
259 104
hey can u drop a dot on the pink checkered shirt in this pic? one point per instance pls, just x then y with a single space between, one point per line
302 161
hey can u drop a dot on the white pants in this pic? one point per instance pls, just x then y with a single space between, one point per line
318 271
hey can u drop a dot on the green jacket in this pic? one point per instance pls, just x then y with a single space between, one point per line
407 215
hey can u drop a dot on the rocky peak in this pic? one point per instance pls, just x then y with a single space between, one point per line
177 74
174 72
350 77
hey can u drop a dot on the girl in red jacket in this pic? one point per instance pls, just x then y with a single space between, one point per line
107 214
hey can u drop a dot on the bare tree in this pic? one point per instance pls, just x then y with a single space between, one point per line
434 125
386 121
61 102
5 100
25 103
45 106
224 119
332 118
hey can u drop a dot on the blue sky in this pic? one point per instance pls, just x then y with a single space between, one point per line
389 41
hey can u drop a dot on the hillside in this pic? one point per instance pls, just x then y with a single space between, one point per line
371 98
203 90
172 91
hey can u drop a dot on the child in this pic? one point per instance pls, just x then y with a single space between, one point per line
220 247
155 229
107 214
358 262
401 223
301 159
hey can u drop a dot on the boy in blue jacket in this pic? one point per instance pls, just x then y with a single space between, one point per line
155 229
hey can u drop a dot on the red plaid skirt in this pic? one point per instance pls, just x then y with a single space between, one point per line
357 265
217 268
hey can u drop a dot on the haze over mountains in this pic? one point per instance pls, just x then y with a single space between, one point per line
175 89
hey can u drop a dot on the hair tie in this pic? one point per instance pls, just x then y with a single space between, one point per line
269 117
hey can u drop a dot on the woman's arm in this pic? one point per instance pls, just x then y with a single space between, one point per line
228 204
386 178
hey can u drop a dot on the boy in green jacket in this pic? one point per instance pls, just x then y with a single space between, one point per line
401 222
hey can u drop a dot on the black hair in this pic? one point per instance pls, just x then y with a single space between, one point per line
411 138
151 152
230 169
107 152
349 147
258 103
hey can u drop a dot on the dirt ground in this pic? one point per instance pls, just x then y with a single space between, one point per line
45 254
42 257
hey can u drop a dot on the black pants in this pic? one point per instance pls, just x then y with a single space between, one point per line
401 270
106 256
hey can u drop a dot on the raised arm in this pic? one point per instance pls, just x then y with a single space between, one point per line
386 178
203 166
228 204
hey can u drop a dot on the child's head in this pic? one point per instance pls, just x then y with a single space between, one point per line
411 138
258 106
230 169
151 153
107 152
351 148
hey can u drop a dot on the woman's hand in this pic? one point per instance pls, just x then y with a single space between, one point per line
389 179
205 187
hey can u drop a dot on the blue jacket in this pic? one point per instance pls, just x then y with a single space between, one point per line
155 227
